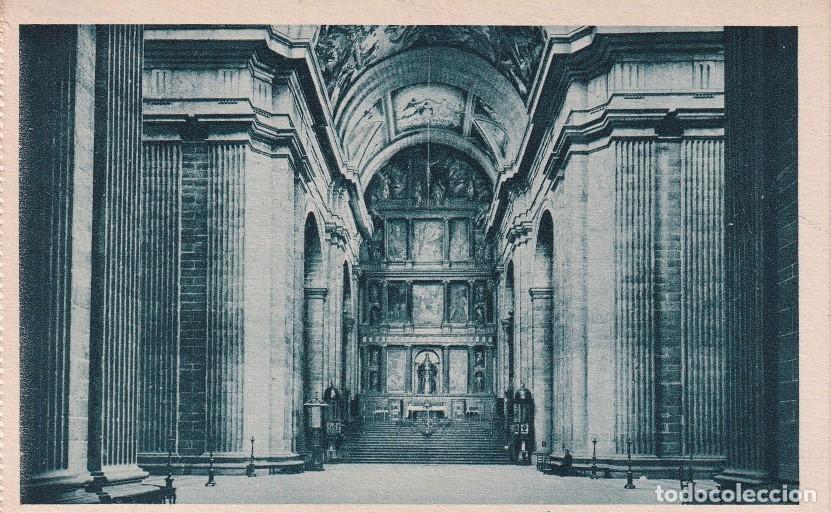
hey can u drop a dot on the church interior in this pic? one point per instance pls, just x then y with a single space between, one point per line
258 249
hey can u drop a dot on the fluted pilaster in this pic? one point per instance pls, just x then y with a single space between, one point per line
116 257
635 335
224 307
161 204
703 285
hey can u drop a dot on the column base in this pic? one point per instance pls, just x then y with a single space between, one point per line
650 466
235 464
730 477
124 485
57 487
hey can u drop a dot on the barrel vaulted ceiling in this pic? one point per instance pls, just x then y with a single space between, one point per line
392 87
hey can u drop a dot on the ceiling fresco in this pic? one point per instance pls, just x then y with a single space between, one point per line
345 51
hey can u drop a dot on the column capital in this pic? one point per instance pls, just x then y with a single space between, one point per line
541 293
317 292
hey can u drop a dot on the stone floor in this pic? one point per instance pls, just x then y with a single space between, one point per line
417 484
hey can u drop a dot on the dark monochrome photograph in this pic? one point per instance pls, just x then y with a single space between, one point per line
408 264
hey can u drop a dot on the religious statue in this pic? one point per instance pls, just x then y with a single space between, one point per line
480 308
479 358
398 182
374 305
421 372
398 302
480 313
479 378
418 191
457 179
433 370
438 193
383 187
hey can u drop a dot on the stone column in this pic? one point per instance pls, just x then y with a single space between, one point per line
510 354
313 325
542 361
57 86
445 355
115 305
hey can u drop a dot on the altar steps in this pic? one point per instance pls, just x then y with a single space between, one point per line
449 443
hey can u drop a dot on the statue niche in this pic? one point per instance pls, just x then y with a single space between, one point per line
426 372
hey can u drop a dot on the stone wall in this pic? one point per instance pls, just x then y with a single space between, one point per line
635 194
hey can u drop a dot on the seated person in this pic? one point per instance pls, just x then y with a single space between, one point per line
565 469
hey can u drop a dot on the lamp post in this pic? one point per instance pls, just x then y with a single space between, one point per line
251 470
314 419
169 492
629 484
594 458
211 472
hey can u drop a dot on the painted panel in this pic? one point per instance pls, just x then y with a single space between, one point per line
458 371
396 369
397 302
428 239
428 304
396 240
440 106
459 240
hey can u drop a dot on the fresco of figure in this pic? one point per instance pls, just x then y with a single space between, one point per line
397 240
